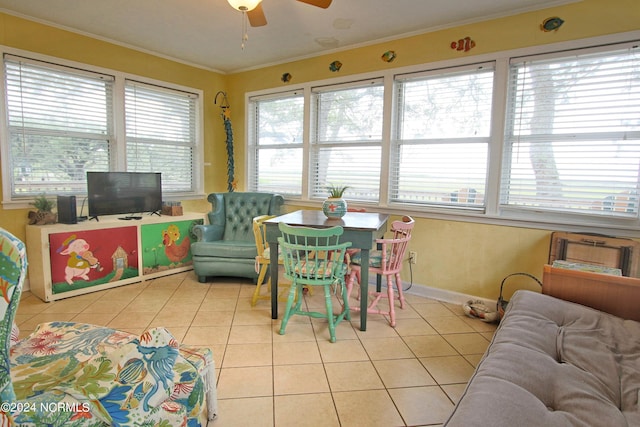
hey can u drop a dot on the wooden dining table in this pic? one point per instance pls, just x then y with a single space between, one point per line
360 228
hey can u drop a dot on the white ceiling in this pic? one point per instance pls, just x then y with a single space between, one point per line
208 33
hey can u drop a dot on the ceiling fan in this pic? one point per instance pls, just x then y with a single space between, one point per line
253 9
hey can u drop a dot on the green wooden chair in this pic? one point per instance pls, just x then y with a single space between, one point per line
314 257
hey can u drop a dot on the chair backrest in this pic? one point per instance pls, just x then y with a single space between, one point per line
234 212
259 233
313 256
13 270
394 248
403 227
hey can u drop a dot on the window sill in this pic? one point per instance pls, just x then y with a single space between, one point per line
577 223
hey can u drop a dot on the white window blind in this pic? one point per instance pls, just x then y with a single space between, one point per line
161 134
59 126
276 143
443 125
346 139
573 133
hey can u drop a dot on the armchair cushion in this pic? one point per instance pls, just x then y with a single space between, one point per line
77 374
226 246
108 377
13 270
15 334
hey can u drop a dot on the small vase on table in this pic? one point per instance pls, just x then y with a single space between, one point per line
335 207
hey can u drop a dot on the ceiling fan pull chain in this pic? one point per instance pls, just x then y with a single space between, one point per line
245 31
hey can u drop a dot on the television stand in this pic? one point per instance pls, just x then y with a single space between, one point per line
126 252
130 217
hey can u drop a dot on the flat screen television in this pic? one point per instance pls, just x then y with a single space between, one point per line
113 193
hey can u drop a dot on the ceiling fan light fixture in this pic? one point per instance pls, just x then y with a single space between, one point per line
244 5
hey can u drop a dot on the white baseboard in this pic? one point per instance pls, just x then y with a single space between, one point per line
438 294
446 295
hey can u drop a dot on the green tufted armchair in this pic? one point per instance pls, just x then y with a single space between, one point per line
226 246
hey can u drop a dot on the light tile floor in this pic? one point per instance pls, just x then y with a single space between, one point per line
408 376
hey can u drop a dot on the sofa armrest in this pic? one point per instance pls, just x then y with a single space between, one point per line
208 232
217 214
215 229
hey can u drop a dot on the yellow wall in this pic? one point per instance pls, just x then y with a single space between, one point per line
458 256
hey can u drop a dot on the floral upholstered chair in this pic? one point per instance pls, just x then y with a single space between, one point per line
76 374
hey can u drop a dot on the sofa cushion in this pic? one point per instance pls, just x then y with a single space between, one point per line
555 363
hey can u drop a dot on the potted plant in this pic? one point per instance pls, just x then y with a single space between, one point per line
44 214
334 207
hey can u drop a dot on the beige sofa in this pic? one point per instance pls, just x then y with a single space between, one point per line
554 362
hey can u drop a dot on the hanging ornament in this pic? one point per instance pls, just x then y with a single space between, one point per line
335 66
389 56
286 78
551 24
465 44
226 118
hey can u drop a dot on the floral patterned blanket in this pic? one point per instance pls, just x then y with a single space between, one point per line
76 374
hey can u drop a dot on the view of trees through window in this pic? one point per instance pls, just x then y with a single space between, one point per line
58 126
61 123
277 144
443 130
346 140
574 133
565 137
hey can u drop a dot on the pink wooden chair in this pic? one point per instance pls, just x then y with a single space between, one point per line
387 261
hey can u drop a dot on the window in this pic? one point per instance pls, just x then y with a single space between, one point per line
161 133
276 147
61 123
518 138
346 139
573 133
443 131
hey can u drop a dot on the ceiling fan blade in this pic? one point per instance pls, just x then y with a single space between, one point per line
319 3
256 16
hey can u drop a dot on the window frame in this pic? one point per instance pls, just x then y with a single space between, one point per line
317 145
461 198
117 160
252 125
494 212
521 133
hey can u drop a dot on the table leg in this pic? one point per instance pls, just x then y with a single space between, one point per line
273 266
378 276
364 287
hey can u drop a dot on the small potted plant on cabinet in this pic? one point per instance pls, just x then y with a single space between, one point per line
334 207
44 214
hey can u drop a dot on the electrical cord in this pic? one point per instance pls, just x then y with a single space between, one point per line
410 276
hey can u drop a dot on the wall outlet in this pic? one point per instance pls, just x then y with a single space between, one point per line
413 257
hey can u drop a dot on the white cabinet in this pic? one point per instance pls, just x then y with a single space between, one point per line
66 260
